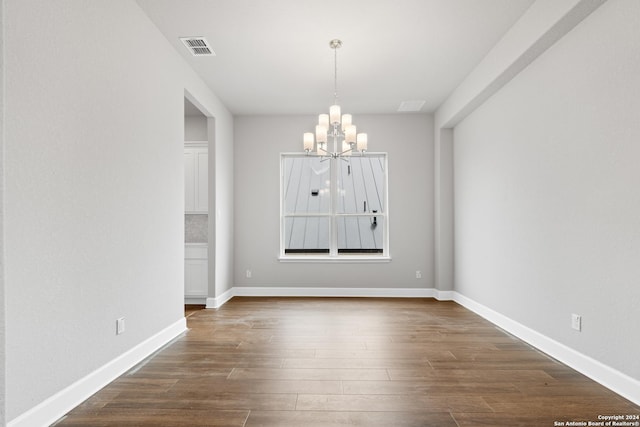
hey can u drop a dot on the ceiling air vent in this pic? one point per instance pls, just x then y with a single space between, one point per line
198 46
411 106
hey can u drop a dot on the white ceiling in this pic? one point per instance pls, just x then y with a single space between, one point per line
273 56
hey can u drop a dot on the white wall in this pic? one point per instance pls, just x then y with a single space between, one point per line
195 128
543 24
2 261
94 188
546 192
221 170
408 139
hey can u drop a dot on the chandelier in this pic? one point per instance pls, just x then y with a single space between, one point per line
333 126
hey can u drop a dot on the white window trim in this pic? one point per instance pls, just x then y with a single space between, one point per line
334 257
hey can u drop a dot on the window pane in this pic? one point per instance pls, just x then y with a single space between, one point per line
360 234
306 235
306 185
361 183
334 206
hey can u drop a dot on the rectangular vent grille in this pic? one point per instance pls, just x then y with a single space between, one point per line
198 46
411 106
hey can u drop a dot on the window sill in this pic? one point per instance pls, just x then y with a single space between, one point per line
353 259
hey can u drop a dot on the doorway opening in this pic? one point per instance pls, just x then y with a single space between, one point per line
197 189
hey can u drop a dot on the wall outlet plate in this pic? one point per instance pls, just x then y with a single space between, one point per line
576 322
120 326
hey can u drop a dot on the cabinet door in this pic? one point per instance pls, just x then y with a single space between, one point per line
202 180
195 278
189 180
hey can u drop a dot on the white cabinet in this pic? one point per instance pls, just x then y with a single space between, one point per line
196 179
196 277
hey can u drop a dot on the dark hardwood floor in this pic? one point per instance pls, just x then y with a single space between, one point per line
189 309
346 362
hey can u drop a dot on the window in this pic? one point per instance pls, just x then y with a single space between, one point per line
334 208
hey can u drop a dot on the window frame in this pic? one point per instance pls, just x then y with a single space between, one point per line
333 215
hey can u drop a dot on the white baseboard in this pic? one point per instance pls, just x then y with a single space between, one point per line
220 300
614 380
334 292
62 402
444 295
195 300
270 291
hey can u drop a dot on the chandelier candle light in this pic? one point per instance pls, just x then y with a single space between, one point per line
340 129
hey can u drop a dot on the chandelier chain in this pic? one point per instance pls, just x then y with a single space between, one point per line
335 75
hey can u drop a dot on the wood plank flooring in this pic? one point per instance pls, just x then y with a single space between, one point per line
346 362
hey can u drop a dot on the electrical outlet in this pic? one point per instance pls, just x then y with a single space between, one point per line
248 274
576 322
418 274
120 326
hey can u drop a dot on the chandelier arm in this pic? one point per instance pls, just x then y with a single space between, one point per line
345 151
322 149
